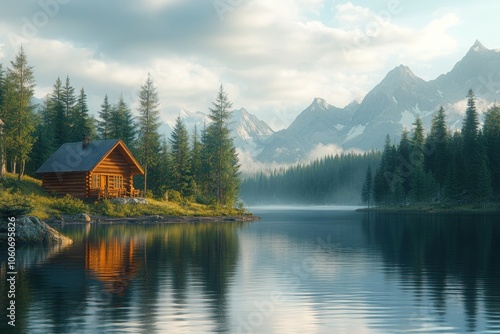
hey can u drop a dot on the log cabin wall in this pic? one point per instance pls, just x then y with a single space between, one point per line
115 164
73 184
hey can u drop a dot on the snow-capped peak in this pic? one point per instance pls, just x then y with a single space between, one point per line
478 47
321 103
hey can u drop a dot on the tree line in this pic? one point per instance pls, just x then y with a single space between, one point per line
330 180
202 167
459 167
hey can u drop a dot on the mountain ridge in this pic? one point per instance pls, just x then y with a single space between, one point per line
389 107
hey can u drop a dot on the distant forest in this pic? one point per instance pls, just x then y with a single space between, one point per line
330 180
446 167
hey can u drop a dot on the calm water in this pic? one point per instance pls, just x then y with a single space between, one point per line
296 271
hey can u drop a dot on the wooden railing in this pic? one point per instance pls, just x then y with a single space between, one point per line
114 193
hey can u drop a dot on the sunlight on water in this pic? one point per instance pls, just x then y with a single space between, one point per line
296 271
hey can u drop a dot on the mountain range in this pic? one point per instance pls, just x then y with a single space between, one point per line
388 108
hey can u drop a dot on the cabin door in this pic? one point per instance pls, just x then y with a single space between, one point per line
108 185
104 182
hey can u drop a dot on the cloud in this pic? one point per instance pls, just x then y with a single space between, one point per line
272 57
322 150
249 166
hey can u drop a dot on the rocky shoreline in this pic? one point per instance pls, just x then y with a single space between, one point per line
31 230
155 219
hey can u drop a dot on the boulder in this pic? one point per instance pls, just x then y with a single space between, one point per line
85 217
33 230
131 200
120 200
78 218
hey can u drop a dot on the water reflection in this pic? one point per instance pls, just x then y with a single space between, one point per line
451 257
310 271
115 277
28 257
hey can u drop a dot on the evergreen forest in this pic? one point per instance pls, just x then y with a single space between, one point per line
443 167
201 167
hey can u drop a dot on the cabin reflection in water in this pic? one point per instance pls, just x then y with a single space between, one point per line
113 263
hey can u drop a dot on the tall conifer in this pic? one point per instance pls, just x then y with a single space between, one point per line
149 122
18 112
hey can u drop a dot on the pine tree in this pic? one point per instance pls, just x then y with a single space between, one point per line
491 131
56 117
454 185
160 175
418 177
205 172
483 189
104 124
122 124
385 179
222 159
128 128
83 122
44 145
471 148
418 141
196 161
149 122
69 101
366 193
437 159
405 169
18 112
180 158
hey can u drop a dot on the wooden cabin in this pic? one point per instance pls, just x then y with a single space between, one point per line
91 169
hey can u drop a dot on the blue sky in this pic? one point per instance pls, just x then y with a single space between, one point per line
272 57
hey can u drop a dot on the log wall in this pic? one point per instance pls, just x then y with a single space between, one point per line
115 164
73 184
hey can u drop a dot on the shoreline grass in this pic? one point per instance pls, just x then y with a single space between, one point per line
29 193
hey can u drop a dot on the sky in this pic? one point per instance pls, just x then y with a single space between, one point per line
272 57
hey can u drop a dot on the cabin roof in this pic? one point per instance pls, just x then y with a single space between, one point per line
74 157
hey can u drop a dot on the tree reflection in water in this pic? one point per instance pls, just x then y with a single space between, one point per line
456 256
112 273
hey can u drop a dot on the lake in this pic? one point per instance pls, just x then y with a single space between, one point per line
298 270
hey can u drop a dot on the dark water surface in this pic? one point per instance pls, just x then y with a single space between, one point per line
301 270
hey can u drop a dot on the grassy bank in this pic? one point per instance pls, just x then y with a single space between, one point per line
29 193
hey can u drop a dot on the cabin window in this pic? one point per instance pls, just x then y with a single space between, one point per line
116 181
96 181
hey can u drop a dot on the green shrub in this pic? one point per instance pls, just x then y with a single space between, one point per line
15 204
105 207
69 205
173 196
